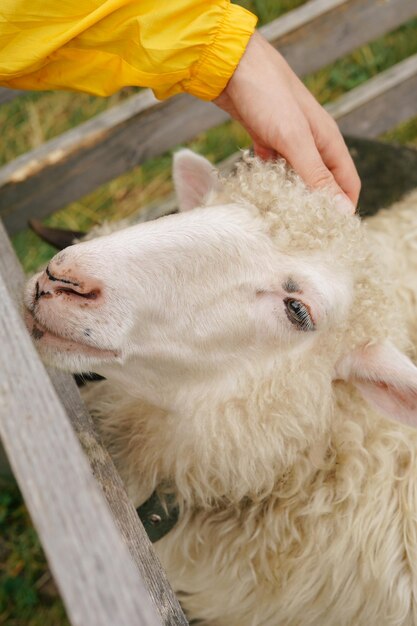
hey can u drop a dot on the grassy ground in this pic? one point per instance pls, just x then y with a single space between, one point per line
27 594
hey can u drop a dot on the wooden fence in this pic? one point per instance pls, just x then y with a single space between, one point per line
100 556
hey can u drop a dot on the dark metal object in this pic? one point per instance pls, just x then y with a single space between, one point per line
158 518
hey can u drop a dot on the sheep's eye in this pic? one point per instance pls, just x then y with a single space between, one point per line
298 314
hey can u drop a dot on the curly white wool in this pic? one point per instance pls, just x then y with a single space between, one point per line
298 501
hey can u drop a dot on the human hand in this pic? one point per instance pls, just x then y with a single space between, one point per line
283 118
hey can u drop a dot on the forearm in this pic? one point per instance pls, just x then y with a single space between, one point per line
100 47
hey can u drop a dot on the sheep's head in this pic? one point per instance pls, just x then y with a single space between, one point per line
256 272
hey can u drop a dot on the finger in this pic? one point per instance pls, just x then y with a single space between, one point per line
330 143
336 157
263 152
341 165
299 148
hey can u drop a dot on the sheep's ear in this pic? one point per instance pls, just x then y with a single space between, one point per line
386 378
194 179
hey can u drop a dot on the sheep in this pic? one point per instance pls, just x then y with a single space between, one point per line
393 232
254 354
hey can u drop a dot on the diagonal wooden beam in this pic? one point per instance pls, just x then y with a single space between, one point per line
92 537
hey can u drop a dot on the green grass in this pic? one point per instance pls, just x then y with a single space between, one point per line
27 595
364 63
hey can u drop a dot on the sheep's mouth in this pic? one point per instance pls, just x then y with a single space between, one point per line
40 333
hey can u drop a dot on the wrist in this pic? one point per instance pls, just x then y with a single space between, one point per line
220 58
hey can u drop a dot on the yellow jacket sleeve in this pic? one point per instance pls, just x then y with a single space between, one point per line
100 46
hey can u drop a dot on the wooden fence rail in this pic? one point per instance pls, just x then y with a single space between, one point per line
66 168
92 546
379 104
322 31
99 553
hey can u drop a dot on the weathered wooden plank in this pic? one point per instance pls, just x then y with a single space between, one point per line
319 32
102 466
381 103
72 165
121 507
387 173
10 269
167 205
13 276
7 95
91 564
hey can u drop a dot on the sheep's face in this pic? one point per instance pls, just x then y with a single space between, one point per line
198 291
202 294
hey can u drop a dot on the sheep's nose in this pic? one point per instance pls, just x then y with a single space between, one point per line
75 284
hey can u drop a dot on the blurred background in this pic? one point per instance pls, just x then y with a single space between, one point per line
28 596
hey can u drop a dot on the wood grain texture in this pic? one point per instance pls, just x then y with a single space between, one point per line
381 103
90 562
169 204
70 166
320 32
101 464
124 513
7 95
74 164
372 108
13 277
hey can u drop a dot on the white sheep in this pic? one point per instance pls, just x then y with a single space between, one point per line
251 347
393 233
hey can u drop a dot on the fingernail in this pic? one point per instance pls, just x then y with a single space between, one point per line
343 204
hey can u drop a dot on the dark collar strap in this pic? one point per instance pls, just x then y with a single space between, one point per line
156 518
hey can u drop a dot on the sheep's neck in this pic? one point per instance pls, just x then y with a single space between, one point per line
226 449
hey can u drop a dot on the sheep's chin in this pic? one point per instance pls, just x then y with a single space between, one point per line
47 340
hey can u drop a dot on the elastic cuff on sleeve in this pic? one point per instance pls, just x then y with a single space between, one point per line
221 57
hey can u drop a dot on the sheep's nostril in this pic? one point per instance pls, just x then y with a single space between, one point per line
39 293
90 295
70 283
